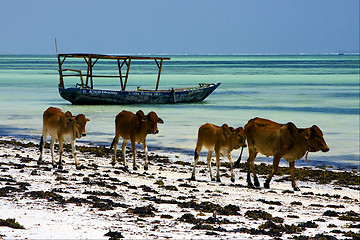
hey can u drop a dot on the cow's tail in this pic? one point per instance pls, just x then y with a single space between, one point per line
237 163
41 143
196 154
112 144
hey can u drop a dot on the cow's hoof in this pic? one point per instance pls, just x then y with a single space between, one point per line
218 180
60 167
296 188
266 185
135 168
80 167
257 184
250 185
54 165
192 178
212 179
232 180
113 164
126 169
146 168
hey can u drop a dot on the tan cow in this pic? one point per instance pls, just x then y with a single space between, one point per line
280 141
62 127
134 127
222 140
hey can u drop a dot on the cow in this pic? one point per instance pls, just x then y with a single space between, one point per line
134 127
222 140
63 127
280 141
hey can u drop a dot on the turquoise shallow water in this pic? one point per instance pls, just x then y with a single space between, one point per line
304 89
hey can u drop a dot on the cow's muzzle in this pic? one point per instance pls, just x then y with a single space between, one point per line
325 149
155 132
83 134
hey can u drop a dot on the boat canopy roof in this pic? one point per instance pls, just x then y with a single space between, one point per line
91 59
105 56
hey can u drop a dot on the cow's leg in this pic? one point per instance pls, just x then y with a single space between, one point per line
276 161
73 148
210 153
61 150
123 150
217 154
52 147
133 153
251 169
231 167
292 171
146 166
42 145
114 144
196 159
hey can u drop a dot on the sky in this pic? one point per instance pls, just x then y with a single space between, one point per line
179 26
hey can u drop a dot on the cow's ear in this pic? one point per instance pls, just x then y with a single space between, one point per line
160 121
307 133
140 114
88 120
239 129
226 129
68 114
315 129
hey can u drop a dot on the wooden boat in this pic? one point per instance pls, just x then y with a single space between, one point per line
84 92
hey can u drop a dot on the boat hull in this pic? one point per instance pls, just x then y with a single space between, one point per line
97 97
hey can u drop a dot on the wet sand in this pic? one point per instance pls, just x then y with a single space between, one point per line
102 201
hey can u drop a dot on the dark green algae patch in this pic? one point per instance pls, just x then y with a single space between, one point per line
11 222
341 178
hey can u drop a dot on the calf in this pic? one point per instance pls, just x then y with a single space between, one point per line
134 127
62 127
222 140
280 141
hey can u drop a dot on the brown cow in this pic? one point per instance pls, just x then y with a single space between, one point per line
280 141
222 140
134 128
62 127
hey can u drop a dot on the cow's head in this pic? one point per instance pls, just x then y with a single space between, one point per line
236 136
151 120
315 139
78 124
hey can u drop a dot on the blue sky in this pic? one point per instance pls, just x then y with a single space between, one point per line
179 26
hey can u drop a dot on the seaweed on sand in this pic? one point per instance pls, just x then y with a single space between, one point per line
146 211
208 207
259 214
114 235
11 222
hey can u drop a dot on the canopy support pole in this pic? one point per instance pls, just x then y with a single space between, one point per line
158 78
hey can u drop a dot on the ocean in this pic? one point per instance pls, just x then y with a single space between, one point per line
303 89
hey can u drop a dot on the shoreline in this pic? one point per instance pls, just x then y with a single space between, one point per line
100 201
188 154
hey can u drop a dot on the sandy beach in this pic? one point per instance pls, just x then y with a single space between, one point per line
105 202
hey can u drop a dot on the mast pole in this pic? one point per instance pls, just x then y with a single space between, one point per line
61 84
